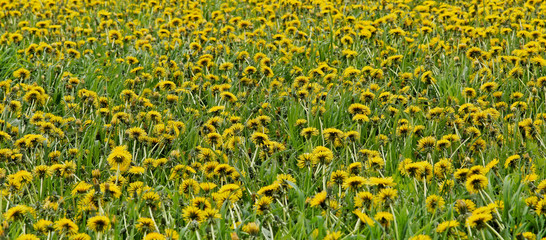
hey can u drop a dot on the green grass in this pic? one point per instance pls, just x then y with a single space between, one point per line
298 38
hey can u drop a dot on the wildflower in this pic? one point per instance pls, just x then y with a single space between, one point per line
110 190
512 161
214 139
384 218
155 236
354 168
426 143
364 218
189 186
284 179
474 53
80 236
360 118
386 196
262 205
445 226
478 169
136 170
357 108
65 226
207 186
463 206
478 145
489 86
333 236
319 199
476 183
352 136
120 159
540 207
419 170
210 214
41 171
382 182
442 168
21 73
338 177
192 213
228 96
434 202
364 199
99 223
443 144
478 221
354 183
403 130
427 78
446 186
151 199
43 226
305 160
145 225
114 35
529 236
420 237
23 177
322 155
332 134
18 213
251 228
259 138
469 92
308 132
135 133
27 237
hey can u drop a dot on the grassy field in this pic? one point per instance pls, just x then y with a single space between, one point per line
275 119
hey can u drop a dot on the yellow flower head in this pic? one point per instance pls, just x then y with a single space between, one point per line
120 159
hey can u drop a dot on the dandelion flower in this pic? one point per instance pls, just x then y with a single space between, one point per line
364 218
27 237
192 213
262 205
420 237
120 158
66 226
319 199
99 223
155 236
384 218
478 221
476 183
445 226
145 225
434 203
251 228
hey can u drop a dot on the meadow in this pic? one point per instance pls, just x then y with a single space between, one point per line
273 119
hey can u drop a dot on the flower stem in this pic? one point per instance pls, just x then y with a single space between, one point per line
395 223
483 234
152 216
494 231
212 231
270 230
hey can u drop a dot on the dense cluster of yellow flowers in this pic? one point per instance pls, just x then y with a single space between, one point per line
274 119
